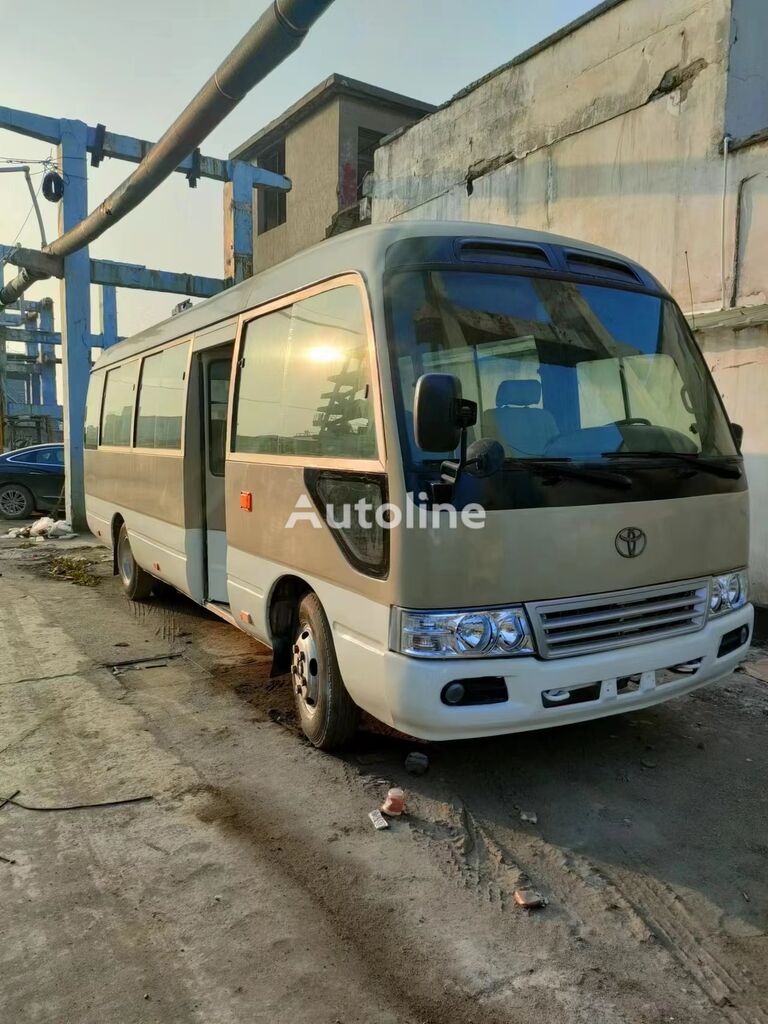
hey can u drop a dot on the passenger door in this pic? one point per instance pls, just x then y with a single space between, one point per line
216 370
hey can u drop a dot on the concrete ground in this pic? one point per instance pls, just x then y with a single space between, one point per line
251 887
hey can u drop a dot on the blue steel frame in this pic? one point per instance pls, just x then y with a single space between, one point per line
75 140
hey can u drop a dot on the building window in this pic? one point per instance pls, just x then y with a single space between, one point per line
367 144
272 210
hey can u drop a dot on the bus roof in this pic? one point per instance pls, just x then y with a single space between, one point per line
362 250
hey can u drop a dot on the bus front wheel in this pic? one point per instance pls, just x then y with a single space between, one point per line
137 584
327 713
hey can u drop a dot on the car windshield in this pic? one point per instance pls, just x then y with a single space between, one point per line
558 369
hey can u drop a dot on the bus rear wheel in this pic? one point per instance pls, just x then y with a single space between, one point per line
137 584
327 713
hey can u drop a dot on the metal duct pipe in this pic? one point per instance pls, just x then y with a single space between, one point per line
278 32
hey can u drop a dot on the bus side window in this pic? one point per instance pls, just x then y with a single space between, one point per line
162 396
117 412
93 410
305 383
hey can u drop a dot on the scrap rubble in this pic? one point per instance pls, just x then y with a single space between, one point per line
44 528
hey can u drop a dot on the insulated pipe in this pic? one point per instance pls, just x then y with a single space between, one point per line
278 32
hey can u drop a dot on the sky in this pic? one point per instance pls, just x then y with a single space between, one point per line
134 66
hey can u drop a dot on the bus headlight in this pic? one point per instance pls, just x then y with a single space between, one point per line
729 592
495 633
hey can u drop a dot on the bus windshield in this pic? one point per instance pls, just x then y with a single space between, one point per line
558 369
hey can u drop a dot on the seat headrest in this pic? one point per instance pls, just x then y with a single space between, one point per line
518 392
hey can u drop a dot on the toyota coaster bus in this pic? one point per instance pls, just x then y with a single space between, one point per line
471 479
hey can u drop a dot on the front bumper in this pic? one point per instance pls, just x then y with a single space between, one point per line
412 686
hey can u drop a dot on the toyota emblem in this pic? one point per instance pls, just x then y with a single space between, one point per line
630 542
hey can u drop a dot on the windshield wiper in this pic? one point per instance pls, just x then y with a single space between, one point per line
565 467
706 465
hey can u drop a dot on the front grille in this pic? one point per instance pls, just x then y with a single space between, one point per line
602 622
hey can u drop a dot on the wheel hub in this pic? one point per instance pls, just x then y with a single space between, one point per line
12 502
125 559
304 669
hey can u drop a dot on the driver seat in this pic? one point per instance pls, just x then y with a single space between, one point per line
516 423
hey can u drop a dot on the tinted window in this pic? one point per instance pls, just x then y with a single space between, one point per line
162 395
305 383
92 410
25 458
557 369
117 414
46 457
218 401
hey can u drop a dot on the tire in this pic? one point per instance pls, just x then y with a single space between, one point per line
327 713
137 584
16 502
163 590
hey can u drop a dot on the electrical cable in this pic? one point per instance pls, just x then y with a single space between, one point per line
13 246
73 807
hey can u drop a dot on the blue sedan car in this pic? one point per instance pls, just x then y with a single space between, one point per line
31 479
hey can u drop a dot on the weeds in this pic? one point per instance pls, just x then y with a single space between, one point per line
76 570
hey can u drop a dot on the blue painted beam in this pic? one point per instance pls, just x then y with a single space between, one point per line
131 275
108 315
48 356
238 224
28 336
260 178
17 409
75 316
36 126
126 147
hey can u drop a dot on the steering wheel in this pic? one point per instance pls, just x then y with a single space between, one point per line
633 420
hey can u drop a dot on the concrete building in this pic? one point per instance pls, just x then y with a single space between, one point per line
642 126
325 144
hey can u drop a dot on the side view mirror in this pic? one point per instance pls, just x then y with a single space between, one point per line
738 434
440 415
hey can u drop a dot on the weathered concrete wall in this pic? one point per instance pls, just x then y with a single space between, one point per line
611 134
312 163
739 362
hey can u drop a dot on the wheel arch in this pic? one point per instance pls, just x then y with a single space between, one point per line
117 522
284 600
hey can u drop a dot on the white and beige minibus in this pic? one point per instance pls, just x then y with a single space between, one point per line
471 479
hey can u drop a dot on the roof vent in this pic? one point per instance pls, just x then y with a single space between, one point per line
494 250
600 266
